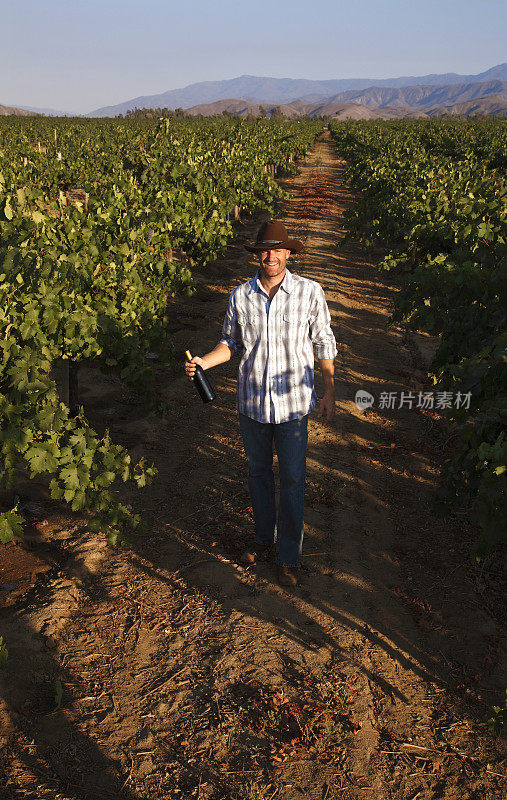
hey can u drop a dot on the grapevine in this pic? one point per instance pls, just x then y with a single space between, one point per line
433 199
100 223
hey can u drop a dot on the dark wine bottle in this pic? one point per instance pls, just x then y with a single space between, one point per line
202 384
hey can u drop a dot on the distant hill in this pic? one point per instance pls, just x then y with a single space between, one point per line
283 91
421 96
341 110
50 112
18 112
244 108
241 108
378 102
489 106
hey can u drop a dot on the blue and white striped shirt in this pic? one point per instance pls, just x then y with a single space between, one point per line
275 339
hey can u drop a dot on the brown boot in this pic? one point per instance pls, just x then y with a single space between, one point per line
287 576
257 552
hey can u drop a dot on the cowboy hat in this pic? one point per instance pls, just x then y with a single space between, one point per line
272 235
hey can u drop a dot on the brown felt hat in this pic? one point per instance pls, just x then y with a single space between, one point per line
273 235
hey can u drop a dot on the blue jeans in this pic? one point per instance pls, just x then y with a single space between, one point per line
290 440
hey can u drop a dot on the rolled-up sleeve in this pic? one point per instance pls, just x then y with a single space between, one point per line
321 333
231 333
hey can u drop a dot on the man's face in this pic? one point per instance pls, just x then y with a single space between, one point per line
272 262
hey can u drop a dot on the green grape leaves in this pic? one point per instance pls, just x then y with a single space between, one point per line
434 199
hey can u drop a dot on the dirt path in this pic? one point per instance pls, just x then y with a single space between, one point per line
185 675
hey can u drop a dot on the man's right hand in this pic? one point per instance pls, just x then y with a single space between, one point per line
219 355
190 366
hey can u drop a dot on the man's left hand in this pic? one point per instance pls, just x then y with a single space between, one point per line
326 407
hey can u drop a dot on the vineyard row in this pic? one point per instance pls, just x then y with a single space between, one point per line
433 199
100 222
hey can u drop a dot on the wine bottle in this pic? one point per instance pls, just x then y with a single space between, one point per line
202 384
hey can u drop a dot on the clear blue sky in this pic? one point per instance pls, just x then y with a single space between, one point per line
78 55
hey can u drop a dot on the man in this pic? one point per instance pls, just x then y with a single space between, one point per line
273 321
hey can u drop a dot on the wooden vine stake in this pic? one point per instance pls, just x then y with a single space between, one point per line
71 385
74 197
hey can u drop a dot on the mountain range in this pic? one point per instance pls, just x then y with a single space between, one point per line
6 111
359 98
282 91
422 101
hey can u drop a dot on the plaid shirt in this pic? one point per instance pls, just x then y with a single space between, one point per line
275 339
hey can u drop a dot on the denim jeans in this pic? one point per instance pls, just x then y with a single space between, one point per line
290 439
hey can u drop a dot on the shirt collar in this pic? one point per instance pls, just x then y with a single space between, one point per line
286 284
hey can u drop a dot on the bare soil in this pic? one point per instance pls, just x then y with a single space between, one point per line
170 671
